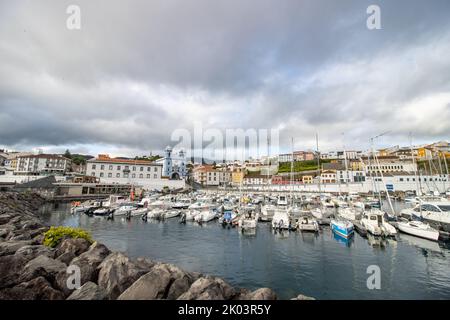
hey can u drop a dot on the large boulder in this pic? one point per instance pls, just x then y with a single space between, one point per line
10 247
36 289
43 266
90 260
88 291
259 294
117 272
209 288
152 285
10 269
181 281
32 251
76 246
164 281
88 263
70 248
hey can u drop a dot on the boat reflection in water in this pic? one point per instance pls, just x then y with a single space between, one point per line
425 246
280 234
343 240
248 232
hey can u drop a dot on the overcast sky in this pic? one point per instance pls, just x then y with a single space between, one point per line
137 70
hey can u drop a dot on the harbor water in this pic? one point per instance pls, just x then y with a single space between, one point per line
320 265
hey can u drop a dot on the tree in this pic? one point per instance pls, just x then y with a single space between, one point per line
67 154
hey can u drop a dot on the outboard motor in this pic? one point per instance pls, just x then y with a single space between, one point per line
128 215
144 217
183 218
280 224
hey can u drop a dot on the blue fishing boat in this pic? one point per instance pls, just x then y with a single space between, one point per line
343 228
343 240
227 217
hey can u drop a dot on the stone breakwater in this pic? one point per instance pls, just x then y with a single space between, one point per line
29 270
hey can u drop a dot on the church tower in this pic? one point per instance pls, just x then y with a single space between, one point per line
167 165
182 163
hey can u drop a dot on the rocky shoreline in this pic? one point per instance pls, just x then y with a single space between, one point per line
31 271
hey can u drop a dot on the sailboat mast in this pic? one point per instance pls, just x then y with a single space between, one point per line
292 166
382 180
318 160
418 192
346 165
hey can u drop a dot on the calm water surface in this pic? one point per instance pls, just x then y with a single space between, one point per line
322 265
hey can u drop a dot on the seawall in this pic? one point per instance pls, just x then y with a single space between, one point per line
79 270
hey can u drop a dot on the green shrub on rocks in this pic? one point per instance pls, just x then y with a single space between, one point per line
55 234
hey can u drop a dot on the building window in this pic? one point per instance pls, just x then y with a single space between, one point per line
118 167
155 176
148 169
125 175
134 168
156 169
148 176
101 174
133 175
93 174
127 167
141 176
94 167
117 175
142 168
102 167
110 175
110 167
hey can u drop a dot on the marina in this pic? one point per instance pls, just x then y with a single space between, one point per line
225 234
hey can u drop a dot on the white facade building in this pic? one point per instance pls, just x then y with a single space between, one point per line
144 173
397 166
42 164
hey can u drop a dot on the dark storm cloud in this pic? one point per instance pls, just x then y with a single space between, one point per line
137 70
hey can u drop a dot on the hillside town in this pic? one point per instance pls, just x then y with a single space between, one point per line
419 169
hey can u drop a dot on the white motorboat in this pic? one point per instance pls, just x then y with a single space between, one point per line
348 213
436 213
190 214
418 229
182 203
200 205
206 215
308 224
248 221
77 207
124 209
170 214
280 219
282 201
267 212
139 212
373 221
317 213
155 213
